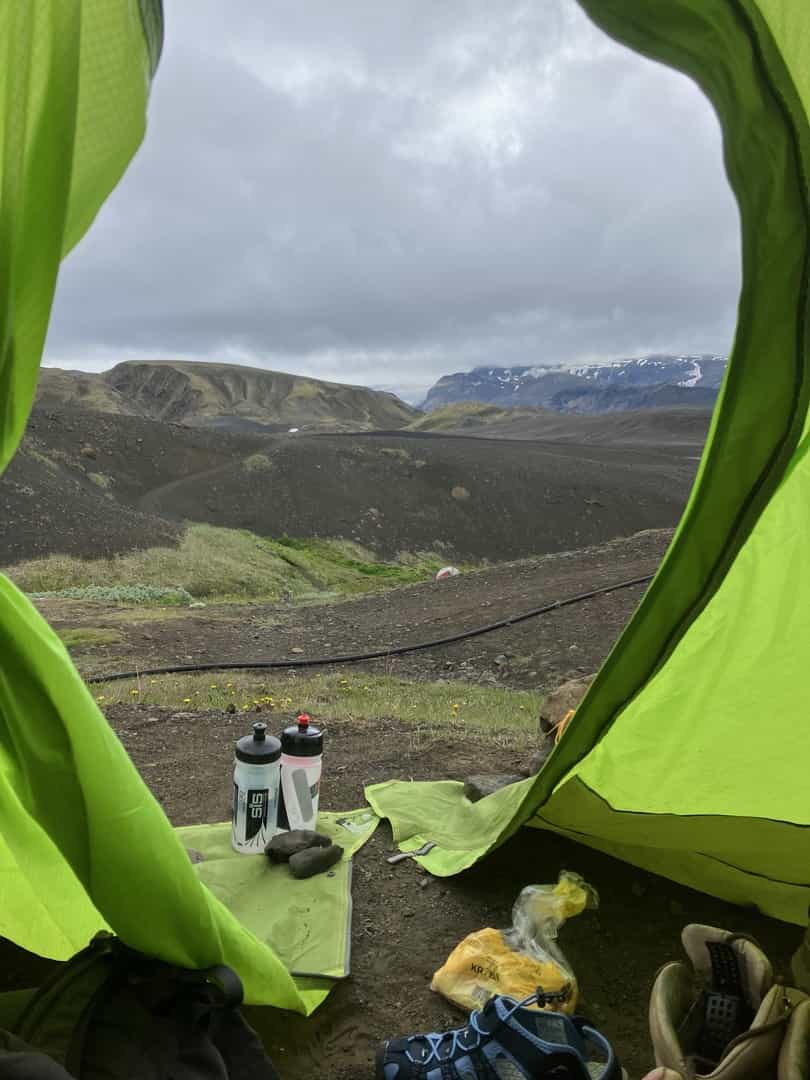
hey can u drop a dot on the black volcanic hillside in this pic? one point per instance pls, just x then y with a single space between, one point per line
222 395
94 484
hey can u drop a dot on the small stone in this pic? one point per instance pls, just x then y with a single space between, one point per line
295 649
195 856
478 787
423 884
501 660
538 758
315 860
286 844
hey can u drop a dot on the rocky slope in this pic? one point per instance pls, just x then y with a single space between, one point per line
222 395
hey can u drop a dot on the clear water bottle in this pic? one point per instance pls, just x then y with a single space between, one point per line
301 763
256 779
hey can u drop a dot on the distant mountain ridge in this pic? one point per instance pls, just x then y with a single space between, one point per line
640 383
222 395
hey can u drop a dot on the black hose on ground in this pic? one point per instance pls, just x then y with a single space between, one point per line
376 654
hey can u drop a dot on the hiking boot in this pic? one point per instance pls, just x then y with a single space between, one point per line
732 1026
794 1057
506 1040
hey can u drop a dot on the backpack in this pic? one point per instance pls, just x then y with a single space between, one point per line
111 1013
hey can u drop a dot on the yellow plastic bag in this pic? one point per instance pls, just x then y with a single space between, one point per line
523 959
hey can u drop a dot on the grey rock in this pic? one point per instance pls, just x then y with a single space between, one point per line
561 701
539 757
314 860
286 844
195 856
478 787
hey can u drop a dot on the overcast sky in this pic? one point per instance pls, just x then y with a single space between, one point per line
382 193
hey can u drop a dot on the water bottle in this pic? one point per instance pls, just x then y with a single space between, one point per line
255 790
301 760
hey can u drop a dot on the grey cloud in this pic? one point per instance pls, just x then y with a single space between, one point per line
383 193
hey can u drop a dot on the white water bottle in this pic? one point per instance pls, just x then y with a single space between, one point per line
301 763
256 776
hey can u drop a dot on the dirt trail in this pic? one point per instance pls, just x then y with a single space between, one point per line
538 653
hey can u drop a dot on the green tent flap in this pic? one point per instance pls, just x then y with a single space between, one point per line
688 754
84 844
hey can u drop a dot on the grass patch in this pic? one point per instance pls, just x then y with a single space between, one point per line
460 414
257 463
222 564
305 390
118 594
332 696
89 635
349 563
134 615
100 479
36 455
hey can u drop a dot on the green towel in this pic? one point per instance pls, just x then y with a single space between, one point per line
307 923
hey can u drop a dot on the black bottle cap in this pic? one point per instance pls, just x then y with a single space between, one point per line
258 748
302 739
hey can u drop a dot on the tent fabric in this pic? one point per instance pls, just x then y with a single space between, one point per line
84 844
688 755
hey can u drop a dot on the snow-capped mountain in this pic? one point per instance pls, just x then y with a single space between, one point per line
640 383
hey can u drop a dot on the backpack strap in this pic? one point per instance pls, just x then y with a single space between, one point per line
227 982
50 1019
